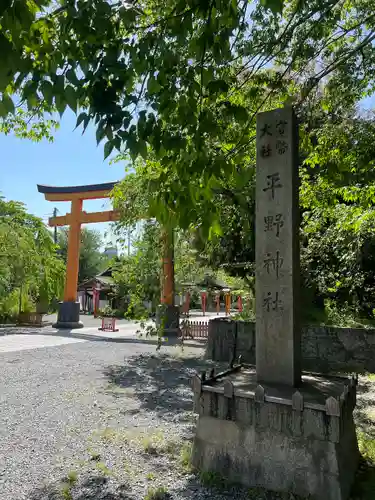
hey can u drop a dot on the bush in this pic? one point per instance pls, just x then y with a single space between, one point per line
246 315
9 306
136 310
106 312
119 313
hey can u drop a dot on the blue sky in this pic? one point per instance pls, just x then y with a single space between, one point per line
72 159
368 103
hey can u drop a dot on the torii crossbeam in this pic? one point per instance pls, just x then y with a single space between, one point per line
68 314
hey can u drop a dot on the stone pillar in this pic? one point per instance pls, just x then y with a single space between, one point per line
254 427
277 251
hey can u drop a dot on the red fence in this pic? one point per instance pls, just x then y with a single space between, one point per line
196 329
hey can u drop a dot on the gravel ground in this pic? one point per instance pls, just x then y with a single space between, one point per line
364 413
98 420
106 421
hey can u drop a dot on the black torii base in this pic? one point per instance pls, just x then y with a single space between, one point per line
68 316
168 317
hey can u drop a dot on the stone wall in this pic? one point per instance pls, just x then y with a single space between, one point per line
324 349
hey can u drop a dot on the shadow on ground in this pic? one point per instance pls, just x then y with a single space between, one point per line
100 487
161 382
92 487
364 486
75 334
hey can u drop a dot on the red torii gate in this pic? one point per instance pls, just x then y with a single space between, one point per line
68 314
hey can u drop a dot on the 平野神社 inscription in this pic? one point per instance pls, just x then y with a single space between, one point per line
273 263
277 252
273 223
272 302
273 183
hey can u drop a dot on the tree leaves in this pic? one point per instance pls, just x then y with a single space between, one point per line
60 104
204 69
71 98
142 149
28 258
153 86
72 77
217 86
108 148
275 5
100 133
138 275
3 111
8 103
47 91
83 118
28 125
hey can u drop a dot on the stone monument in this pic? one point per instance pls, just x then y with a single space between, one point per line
271 426
278 351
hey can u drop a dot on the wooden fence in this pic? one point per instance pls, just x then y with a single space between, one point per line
194 329
30 318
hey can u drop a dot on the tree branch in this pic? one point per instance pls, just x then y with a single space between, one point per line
165 19
208 20
335 65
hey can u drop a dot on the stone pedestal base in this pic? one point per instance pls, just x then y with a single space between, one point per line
169 317
68 316
302 442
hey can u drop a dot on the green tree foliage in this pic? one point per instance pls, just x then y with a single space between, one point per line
339 162
167 76
188 268
233 249
336 198
337 214
336 168
338 260
138 275
28 263
31 125
91 258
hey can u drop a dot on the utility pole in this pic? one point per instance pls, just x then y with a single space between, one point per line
55 228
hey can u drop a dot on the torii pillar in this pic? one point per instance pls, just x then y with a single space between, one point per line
68 314
168 315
